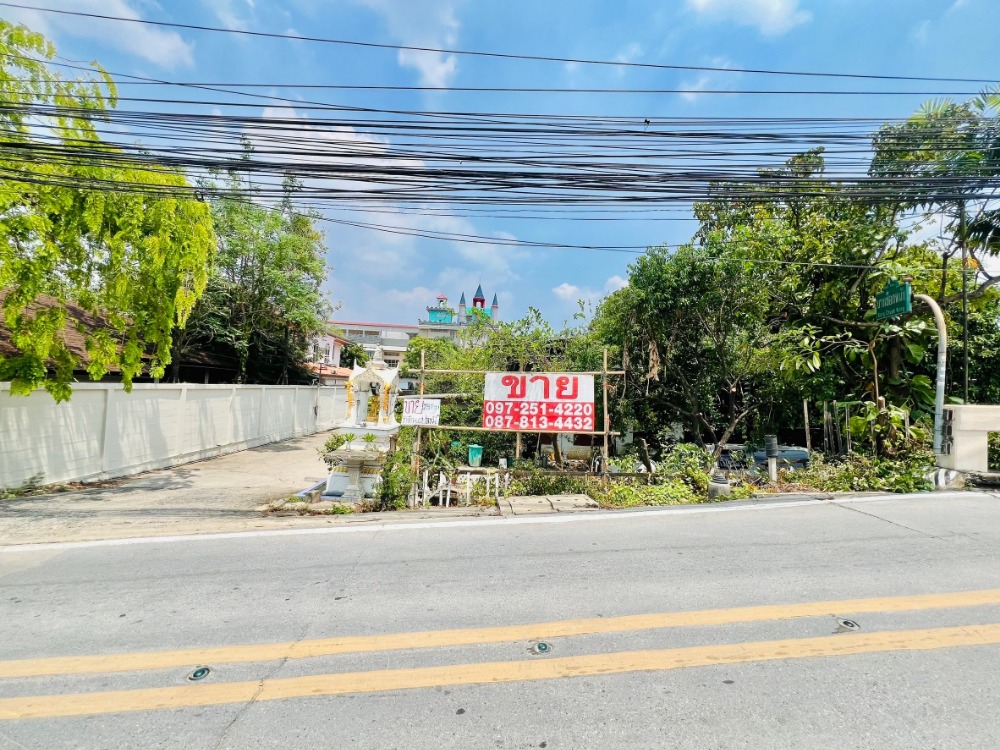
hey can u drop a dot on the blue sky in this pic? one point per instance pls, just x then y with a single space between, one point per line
390 278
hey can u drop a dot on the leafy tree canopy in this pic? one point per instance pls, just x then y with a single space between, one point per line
353 354
137 259
698 344
264 300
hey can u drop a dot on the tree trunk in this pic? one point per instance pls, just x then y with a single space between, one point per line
556 450
895 356
644 455
728 433
284 365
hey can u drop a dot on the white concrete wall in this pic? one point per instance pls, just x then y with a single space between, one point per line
965 443
104 432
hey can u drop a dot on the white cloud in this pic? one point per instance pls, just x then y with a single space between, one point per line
691 87
305 143
391 257
958 5
164 48
920 32
430 23
571 293
630 53
435 69
771 17
231 18
567 292
709 79
419 295
616 282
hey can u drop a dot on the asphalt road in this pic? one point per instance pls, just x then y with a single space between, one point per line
97 641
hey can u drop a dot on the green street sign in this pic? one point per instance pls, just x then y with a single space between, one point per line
894 300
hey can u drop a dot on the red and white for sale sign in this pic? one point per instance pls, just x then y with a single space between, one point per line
547 402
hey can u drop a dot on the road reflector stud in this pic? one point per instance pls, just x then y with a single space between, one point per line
541 648
847 626
199 674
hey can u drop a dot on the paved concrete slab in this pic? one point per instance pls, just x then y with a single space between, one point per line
218 494
528 504
523 505
572 503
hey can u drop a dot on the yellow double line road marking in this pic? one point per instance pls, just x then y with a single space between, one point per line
62 665
50 706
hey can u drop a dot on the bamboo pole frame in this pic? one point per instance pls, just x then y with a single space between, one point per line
606 433
415 464
523 432
607 425
487 372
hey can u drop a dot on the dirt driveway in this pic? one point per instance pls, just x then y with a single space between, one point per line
220 494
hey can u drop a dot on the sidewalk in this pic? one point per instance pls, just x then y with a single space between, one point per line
219 494
223 495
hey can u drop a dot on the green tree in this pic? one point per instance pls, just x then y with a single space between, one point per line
529 343
137 259
437 354
353 354
824 252
264 300
943 160
697 342
945 157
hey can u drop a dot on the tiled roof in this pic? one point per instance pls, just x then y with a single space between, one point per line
75 340
329 371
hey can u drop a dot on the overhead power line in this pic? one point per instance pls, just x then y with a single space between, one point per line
218 86
308 105
484 159
496 55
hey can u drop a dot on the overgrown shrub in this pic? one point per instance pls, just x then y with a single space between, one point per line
634 494
859 473
336 440
687 463
994 454
547 483
397 477
742 490
884 430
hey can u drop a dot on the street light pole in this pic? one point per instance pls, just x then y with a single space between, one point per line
942 363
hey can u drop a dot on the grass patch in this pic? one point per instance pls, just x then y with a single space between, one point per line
32 487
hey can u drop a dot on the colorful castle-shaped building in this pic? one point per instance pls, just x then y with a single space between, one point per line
445 322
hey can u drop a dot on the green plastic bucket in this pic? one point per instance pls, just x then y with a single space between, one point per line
475 455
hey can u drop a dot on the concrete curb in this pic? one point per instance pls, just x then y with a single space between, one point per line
377 525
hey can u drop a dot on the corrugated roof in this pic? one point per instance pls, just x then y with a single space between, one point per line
371 325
